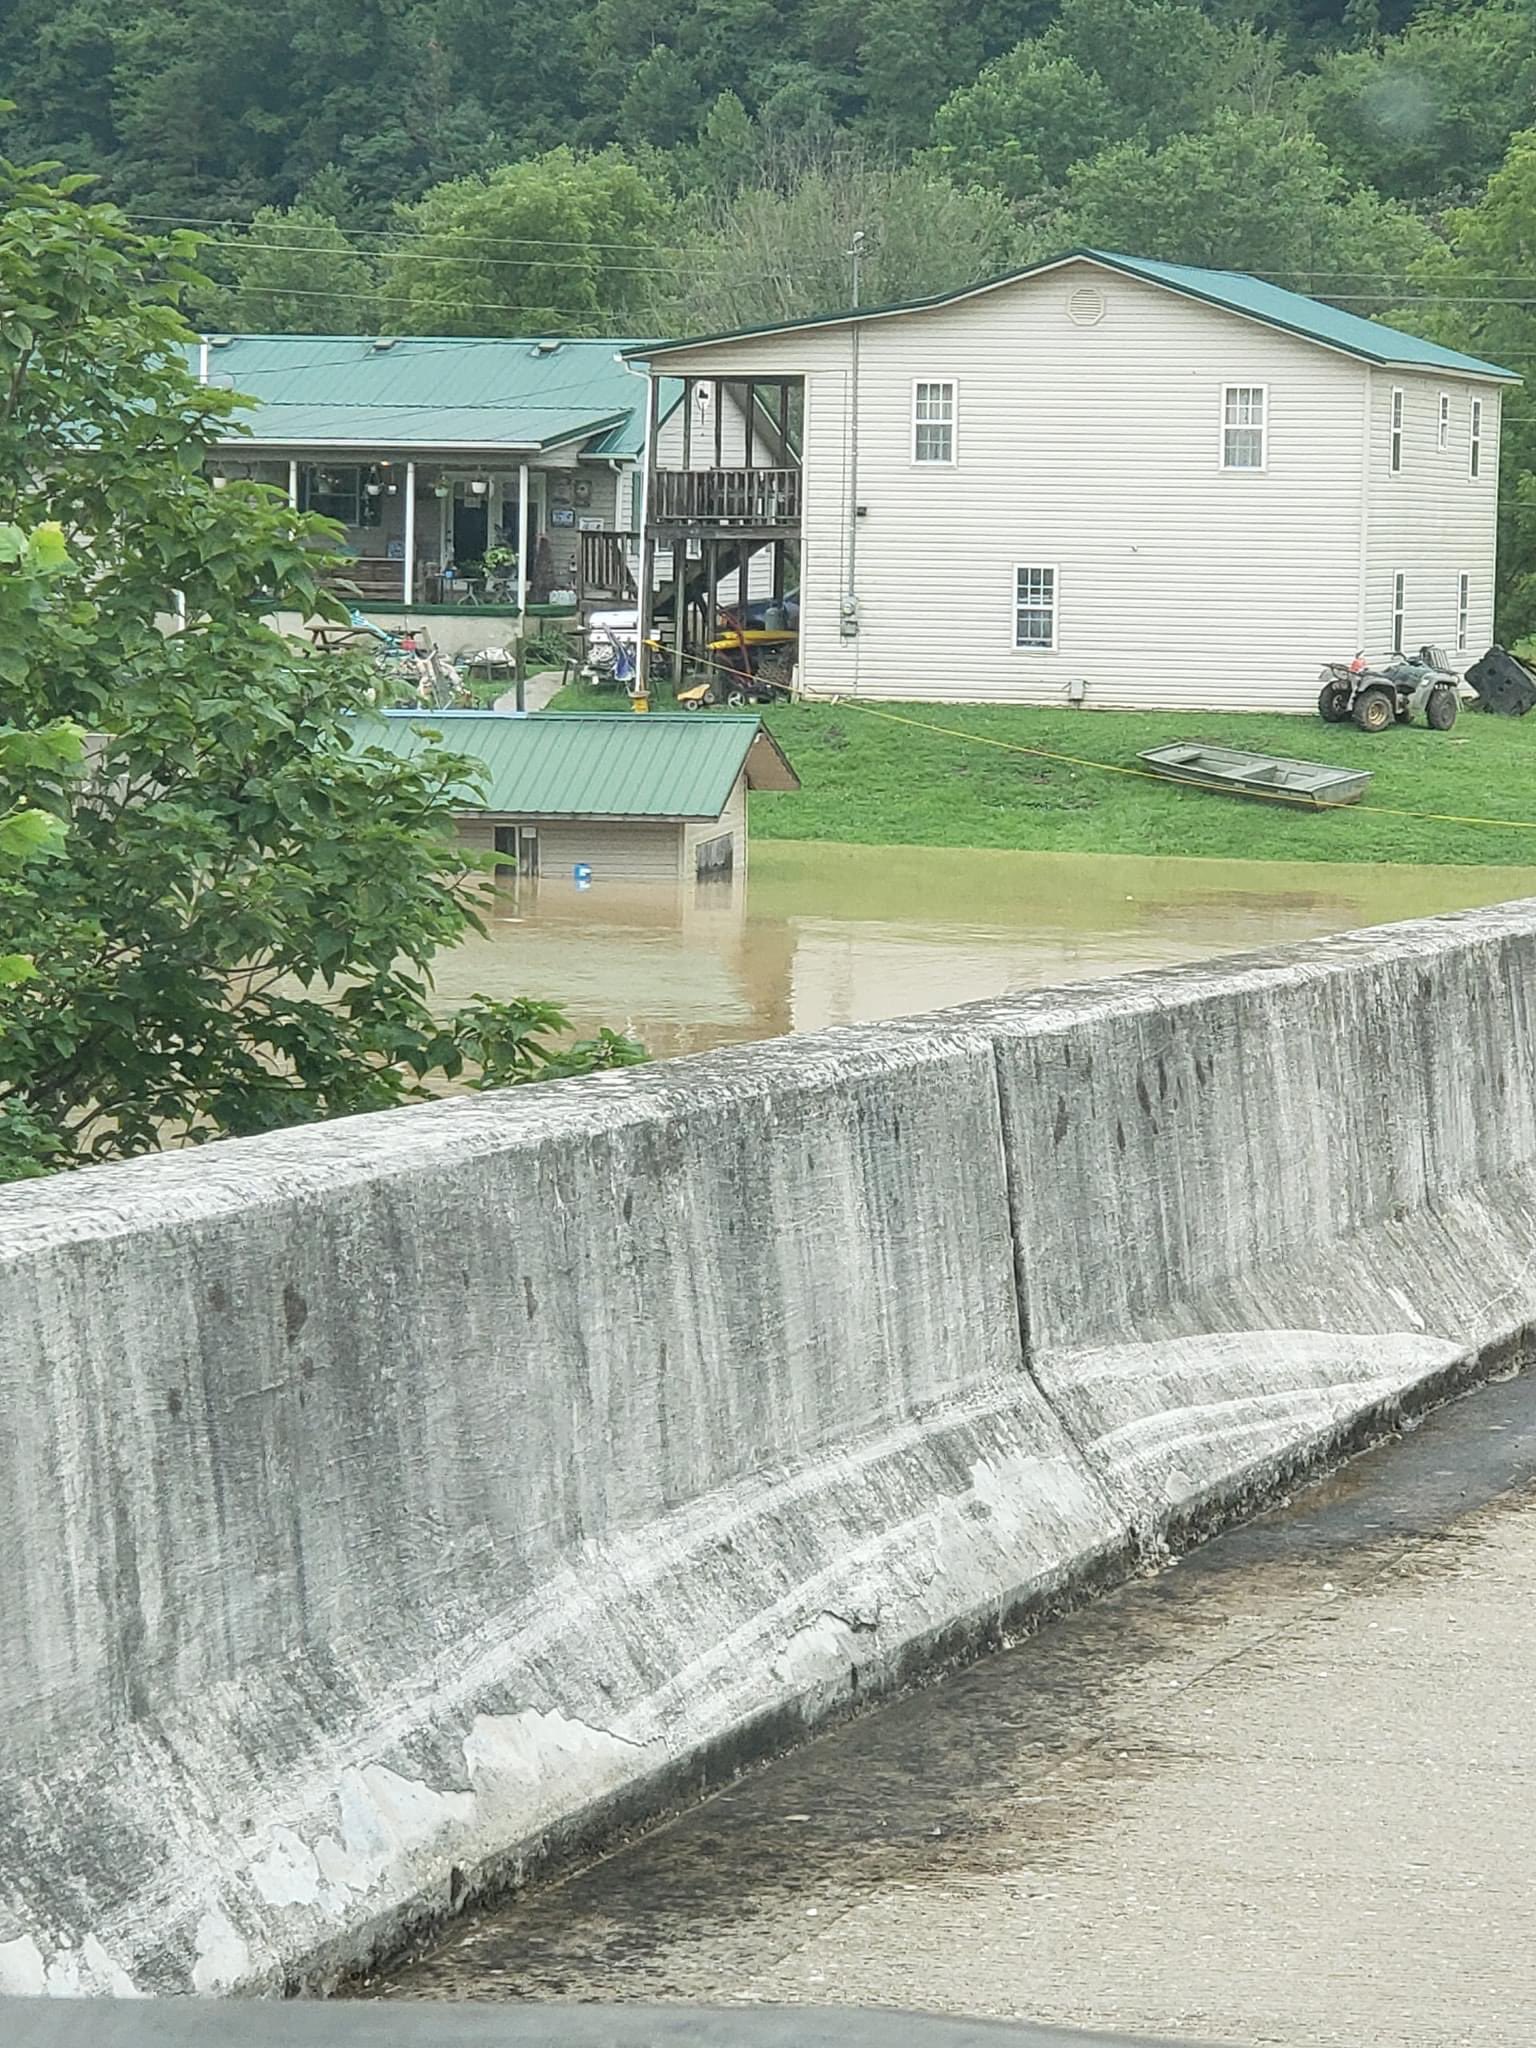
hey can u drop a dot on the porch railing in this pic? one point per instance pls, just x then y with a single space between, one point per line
728 497
603 565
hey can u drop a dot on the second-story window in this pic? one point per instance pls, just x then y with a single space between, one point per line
1395 458
1244 426
933 421
1475 459
1443 421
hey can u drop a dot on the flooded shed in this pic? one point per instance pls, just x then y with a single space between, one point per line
655 799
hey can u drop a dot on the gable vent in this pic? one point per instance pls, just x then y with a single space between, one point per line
1085 306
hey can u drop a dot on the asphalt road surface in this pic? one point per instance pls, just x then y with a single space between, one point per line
1282 1792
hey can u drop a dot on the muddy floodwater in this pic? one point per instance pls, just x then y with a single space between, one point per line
819 934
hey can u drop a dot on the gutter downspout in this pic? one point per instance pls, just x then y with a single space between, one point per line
849 622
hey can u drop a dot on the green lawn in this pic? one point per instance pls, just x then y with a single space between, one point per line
875 782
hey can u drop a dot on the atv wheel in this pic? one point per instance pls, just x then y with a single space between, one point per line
1441 709
1333 703
1375 709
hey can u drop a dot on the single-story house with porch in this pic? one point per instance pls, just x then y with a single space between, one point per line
660 798
451 463
1101 480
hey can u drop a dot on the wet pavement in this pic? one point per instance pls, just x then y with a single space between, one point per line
1282 1792
819 934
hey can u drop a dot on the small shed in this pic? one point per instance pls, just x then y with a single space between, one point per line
655 799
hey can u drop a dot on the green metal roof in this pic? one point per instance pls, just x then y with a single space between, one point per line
564 764
1232 290
338 391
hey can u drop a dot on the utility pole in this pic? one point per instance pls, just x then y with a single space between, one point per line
850 615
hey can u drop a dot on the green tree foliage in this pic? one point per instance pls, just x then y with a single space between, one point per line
1428 114
293 272
561 243
1245 195
235 927
1025 122
1479 299
779 247
1105 72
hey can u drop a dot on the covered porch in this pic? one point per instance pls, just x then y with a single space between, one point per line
492 537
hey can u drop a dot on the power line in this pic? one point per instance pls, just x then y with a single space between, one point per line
404 253
428 234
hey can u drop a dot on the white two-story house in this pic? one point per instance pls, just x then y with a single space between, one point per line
1101 480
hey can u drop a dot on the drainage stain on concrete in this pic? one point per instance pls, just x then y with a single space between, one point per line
1281 1792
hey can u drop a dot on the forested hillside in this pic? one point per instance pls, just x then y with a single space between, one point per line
614 166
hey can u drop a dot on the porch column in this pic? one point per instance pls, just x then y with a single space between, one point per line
410 533
293 482
522 545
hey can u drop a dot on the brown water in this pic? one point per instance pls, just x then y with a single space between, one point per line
827 934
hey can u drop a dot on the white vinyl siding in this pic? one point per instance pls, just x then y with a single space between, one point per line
933 421
1425 525
1244 426
1475 448
1097 449
1463 607
1399 592
1443 422
1395 454
616 850
1034 609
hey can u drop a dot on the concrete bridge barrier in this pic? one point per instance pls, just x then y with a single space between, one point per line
1259 1205
405 1500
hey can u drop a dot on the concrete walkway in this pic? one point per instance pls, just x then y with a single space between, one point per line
537 691
1282 1793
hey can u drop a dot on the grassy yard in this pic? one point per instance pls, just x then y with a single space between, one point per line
875 782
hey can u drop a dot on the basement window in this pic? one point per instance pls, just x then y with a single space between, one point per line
1244 426
1397 612
1034 609
1463 606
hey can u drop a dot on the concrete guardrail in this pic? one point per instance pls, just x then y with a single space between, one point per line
403 1502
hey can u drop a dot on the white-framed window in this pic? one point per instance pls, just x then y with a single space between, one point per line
1244 426
1475 451
1398 591
1463 606
1034 608
933 420
1395 459
1443 422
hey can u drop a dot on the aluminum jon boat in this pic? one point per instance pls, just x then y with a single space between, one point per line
1271 775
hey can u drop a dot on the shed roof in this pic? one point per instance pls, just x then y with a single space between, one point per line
336 391
572 764
1231 290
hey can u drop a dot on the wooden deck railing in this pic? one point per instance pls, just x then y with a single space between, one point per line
603 565
728 497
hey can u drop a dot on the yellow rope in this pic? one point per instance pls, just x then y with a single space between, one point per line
1187 781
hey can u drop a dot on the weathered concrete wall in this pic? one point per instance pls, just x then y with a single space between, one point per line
400 1500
